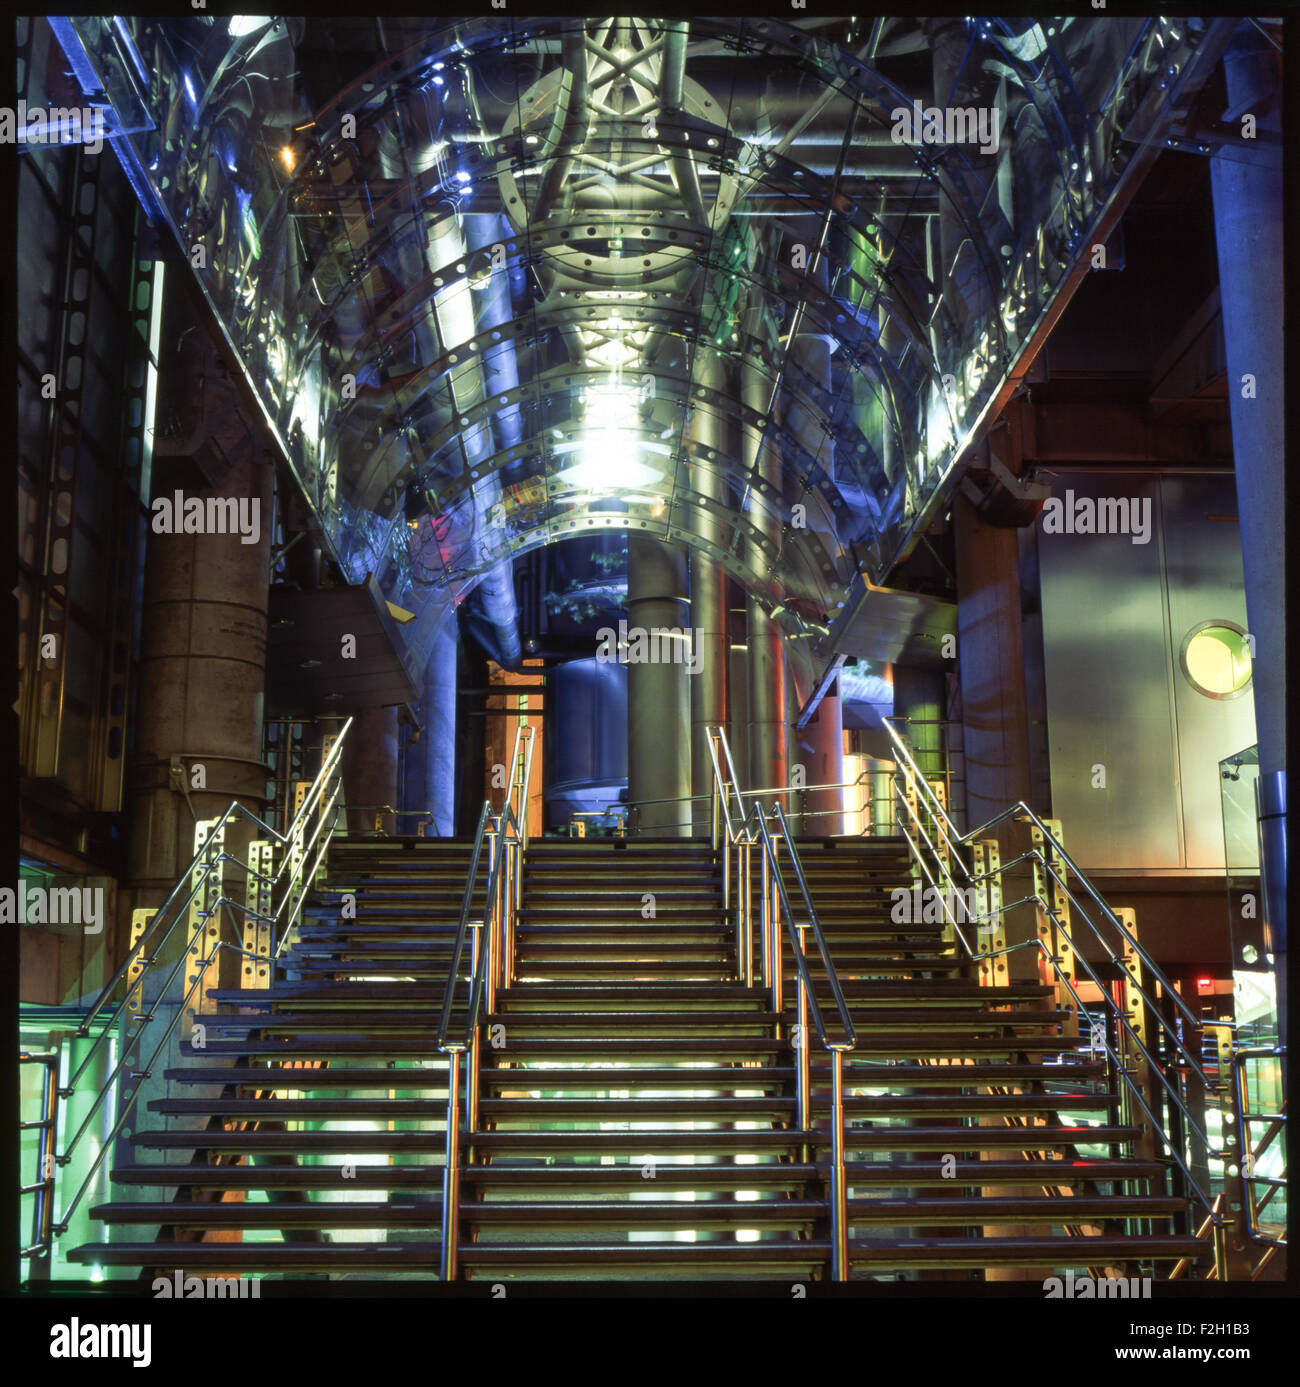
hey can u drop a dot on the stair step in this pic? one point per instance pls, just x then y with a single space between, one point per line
640 1142
991 1210
279 1077
263 1257
658 1052
424 1022
777 1257
304 1109
914 1253
957 1075
931 1174
281 1214
713 1077
644 1141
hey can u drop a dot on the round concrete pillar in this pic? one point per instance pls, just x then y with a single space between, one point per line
198 737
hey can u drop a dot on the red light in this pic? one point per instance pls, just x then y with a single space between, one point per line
1205 984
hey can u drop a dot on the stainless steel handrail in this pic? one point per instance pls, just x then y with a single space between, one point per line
462 929
977 956
491 965
956 840
781 790
801 962
1022 812
43 1189
741 834
147 949
521 776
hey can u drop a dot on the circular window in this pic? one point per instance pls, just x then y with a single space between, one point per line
1216 659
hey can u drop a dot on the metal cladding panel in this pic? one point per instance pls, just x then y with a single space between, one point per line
888 626
451 256
1202 543
308 672
1107 664
1115 616
588 717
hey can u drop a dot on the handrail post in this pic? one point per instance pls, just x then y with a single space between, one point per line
987 857
479 928
501 925
775 949
451 1171
714 806
1132 1002
764 921
508 924
1232 1246
803 1053
839 1193
745 922
1053 925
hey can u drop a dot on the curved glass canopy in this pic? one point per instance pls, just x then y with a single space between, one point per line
747 286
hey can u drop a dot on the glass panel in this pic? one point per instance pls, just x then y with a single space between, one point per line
1216 660
747 285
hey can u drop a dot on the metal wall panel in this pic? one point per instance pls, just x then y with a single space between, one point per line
1205 583
1114 617
1105 651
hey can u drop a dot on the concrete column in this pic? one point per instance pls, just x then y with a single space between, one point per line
658 696
202 682
996 730
370 769
991 659
712 640
203 634
438 736
1248 229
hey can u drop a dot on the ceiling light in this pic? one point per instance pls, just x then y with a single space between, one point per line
241 24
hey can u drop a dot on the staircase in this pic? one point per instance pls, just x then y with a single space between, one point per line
637 1117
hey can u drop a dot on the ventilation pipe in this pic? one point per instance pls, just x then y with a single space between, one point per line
454 310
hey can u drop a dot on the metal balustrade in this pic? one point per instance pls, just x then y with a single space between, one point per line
199 898
741 833
491 966
939 852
